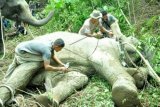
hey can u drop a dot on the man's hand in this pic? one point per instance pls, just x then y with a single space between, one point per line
49 67
110 33
66 65
63 69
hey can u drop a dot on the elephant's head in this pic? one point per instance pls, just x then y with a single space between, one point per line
18 10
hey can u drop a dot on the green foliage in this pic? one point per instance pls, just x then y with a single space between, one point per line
153 44
150 97
151 25
67 15
70 14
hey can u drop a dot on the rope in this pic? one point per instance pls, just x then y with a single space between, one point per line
12 99
131 59
78 40
122 55
2 37
10 89
94 48
80 55
25 92
75 53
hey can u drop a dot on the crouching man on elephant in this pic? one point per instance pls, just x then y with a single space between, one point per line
34 50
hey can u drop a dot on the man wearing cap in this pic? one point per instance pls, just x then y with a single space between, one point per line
34 50
93 23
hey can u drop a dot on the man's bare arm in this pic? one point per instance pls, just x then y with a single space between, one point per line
49 67
102 29
57 60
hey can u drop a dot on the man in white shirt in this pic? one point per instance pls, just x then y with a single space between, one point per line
93 23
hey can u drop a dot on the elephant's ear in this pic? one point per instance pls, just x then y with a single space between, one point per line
2 3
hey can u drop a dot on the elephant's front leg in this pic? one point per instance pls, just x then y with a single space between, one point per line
67 85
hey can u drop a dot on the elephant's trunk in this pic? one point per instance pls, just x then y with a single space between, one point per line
26 16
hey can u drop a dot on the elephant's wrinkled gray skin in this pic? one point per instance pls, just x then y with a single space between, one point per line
18 10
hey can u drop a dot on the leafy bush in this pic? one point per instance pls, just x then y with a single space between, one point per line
153 45
70 14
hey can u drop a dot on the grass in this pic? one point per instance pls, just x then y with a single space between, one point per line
150 97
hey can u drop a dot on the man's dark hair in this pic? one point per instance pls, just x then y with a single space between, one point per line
104 12
59 42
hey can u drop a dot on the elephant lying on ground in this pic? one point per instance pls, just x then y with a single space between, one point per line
18 10
86 56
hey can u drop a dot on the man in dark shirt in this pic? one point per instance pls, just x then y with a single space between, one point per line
111 24
107 21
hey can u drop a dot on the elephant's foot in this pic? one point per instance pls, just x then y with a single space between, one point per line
139 75
140 80
125 94
45 101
